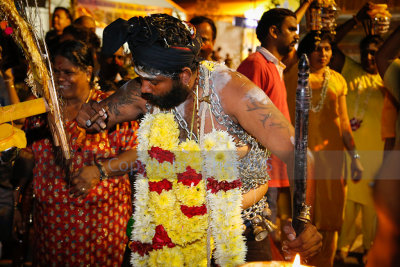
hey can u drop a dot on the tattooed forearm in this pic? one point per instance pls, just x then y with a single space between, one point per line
126 103
278 124
267 113
121 99
264 118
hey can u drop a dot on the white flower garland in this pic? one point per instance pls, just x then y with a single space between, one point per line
217 161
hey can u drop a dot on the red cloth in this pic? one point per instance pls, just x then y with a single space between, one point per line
265 75
90 231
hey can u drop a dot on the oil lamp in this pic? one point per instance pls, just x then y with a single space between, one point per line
295 263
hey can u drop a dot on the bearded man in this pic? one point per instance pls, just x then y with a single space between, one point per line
202 153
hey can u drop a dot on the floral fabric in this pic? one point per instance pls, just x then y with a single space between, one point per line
90 231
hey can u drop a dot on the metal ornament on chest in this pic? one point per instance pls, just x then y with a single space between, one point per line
252 168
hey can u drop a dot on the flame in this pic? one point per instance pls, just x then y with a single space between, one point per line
296 262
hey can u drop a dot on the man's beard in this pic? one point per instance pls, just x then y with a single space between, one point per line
285 50
173 98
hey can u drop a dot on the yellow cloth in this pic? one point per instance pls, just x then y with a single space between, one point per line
392 83
365 101
352 227
392 79
11 136
325 139
389 117
22 110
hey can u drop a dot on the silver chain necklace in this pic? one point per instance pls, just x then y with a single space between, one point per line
183 124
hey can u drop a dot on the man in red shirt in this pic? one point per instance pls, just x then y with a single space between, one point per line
277 33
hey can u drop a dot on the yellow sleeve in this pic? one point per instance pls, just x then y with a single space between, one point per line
392 79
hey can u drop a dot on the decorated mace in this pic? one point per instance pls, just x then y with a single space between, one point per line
40 75
301 211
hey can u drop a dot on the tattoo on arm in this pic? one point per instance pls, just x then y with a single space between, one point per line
264 118
265 112
127 97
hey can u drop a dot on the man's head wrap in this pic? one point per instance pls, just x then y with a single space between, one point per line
159 42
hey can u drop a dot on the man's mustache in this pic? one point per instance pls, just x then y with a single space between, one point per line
147 96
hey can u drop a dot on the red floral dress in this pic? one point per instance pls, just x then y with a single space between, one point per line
79 232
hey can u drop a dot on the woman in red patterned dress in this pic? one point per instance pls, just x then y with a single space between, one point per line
81 220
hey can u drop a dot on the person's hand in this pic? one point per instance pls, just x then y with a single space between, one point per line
18 226
356 170
95 113
84 180
307 244
7 74
362 14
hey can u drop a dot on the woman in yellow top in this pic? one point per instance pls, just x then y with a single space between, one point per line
329 134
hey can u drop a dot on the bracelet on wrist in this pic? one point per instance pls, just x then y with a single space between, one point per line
102 170
356 155
10 83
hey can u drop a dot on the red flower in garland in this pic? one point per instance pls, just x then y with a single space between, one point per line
161 238
160 186
216 186
190 177
8 31
140 248
193 211
161 155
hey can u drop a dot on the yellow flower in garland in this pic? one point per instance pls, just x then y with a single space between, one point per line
166 257
164 132
208 64
162 202
188 154
196 254
220 163
176 200
158 171
186 230
190 195
209 143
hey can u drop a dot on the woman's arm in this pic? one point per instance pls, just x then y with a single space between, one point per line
389 51
88 177
348 140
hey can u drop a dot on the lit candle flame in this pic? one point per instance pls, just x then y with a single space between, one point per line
296 262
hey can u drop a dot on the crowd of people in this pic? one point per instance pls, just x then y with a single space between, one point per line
173 152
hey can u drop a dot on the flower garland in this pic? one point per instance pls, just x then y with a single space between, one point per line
182 189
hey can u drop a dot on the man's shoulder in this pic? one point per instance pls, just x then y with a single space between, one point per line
256 57
351 68
255 60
